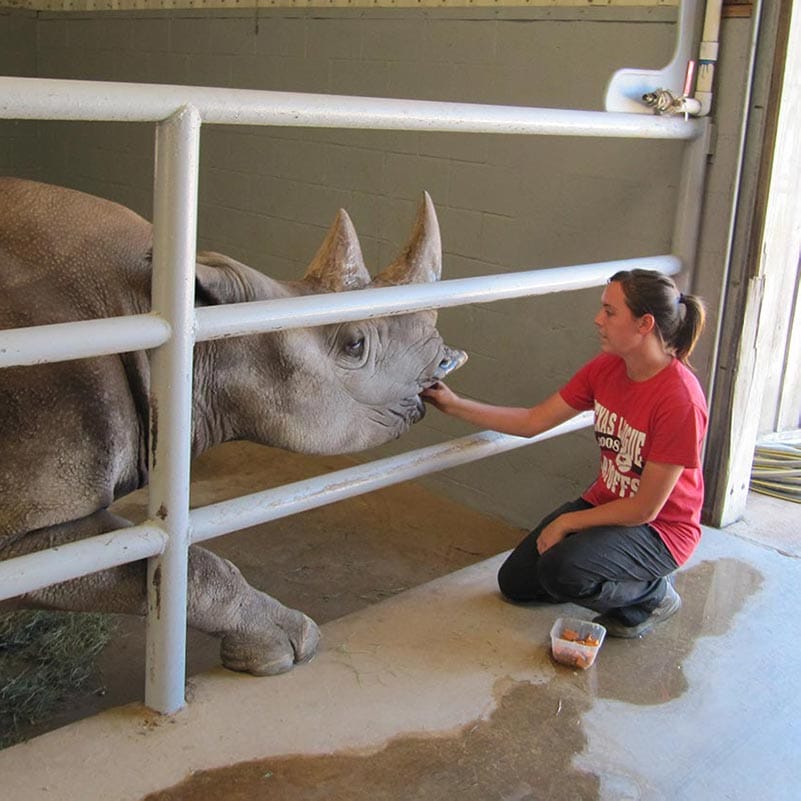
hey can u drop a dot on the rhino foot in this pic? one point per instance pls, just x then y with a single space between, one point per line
273 648
259 634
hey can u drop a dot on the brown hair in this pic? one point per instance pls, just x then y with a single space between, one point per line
679 318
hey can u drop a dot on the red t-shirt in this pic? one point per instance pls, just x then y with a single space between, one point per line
662 420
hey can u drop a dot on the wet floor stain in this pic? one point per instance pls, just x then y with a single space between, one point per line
649 670
525 750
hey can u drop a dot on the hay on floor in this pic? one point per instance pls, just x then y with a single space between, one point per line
45 657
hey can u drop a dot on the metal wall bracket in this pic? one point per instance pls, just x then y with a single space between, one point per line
627 86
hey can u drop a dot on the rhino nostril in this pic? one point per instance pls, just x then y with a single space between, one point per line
452 360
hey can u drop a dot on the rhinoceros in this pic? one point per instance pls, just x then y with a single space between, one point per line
74 434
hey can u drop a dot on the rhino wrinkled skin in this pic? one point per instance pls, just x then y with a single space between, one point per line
74 435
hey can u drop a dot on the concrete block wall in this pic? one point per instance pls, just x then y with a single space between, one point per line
18 58
504 203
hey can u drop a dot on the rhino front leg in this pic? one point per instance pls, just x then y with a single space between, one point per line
259 634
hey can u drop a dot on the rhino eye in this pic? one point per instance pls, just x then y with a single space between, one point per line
355 347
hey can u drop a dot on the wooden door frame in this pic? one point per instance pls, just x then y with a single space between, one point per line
736 398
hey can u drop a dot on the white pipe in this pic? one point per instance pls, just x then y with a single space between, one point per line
60 342
174 250
692 107
33 571
64 341
707 57
256 508
686 222
711 33
236 319
47 99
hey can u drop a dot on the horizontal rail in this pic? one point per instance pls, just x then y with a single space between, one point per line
58 99
33 571
215 322
64 341
61 342
300 496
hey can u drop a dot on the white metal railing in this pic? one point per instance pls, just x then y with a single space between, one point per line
114 548
63 341
48 99
174 325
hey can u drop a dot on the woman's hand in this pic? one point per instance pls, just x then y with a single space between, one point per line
553 534
440 396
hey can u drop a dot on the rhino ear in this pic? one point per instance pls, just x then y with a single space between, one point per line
421 260
220 279
339 264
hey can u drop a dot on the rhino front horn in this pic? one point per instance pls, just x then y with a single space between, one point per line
421 260
339 264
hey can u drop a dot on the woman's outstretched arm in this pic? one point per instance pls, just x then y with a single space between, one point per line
519 421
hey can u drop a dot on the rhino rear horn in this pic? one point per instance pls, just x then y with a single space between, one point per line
421 260
339 265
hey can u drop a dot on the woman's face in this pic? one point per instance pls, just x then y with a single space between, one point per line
620 331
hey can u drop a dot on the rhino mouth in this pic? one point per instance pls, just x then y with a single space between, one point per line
452 360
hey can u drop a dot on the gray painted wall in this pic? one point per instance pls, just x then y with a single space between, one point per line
504 203
18 57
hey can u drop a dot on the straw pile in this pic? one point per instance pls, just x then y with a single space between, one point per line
45 657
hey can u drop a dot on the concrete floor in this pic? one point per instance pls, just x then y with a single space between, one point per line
445 691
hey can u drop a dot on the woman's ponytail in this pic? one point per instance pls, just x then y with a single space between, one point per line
693 317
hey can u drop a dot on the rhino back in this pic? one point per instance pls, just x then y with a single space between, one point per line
72 433
65 255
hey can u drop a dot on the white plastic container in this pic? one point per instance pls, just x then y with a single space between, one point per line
576 642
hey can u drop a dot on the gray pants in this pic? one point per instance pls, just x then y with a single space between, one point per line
611 569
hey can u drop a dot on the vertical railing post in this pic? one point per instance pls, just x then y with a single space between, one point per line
689 201
174 249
